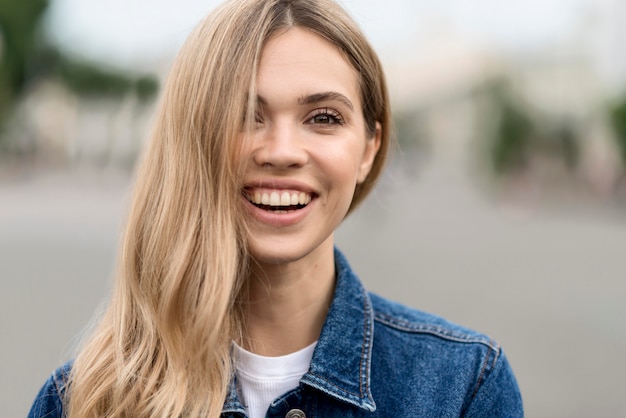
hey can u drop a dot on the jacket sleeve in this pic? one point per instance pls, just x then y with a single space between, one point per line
49 401
498 394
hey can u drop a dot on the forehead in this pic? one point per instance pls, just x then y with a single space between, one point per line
301 62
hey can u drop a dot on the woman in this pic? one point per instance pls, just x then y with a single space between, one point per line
230 297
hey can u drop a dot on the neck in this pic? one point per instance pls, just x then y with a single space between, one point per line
288 303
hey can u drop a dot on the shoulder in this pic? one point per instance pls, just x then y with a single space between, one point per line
413 334
49 400
398 318
467 370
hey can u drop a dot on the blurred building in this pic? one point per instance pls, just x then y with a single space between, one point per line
60 127
564 86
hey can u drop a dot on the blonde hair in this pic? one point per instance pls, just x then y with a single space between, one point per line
162 348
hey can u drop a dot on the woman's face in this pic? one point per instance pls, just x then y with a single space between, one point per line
308 150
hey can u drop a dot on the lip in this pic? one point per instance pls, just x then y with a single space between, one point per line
285 219
279 184
278 219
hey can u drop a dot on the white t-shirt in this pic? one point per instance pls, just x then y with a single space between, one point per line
262 379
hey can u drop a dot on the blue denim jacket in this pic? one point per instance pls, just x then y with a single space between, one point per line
376 358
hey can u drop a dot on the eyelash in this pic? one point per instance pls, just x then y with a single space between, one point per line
333 117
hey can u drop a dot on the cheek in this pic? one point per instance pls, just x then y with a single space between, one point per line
343 169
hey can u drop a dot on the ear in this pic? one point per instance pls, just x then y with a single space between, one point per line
371 149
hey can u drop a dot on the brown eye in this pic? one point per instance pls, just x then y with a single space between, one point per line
326 117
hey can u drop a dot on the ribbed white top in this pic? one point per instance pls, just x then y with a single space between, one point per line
262 379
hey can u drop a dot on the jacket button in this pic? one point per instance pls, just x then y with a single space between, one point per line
295 413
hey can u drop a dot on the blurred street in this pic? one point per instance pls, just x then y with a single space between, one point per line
547 282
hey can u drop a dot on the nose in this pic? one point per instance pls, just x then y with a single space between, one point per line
280 146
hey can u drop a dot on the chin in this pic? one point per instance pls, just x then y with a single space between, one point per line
282 252
275 254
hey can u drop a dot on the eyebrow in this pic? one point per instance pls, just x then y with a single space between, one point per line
325 96
317 98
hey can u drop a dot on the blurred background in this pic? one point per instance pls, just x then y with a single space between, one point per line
503 207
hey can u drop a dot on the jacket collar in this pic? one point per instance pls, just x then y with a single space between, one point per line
340 366
232 404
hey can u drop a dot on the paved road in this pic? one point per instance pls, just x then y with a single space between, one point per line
550 285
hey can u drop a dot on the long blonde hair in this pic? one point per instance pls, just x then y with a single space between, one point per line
162 348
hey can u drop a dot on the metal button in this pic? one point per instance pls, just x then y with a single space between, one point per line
295 413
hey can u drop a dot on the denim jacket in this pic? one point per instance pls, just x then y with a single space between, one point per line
376 358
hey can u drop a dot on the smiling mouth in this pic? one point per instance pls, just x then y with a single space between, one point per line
278 201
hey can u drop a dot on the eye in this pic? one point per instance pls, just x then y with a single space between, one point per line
325 116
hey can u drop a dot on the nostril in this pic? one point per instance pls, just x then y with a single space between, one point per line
284 151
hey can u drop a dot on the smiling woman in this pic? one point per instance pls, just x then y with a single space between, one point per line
231 299
309 140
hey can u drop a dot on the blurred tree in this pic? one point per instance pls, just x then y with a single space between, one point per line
25 57
517 134
410 131
567 143
92 81
513 132
146 88
412 139
19 25
618 121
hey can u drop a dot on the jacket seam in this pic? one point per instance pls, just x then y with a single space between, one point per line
492 355
436 331
366 333
363 348
481 374
339 389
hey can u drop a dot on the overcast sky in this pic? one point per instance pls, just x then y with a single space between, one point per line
125 32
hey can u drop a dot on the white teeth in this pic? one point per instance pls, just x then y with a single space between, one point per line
275 198
285 199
